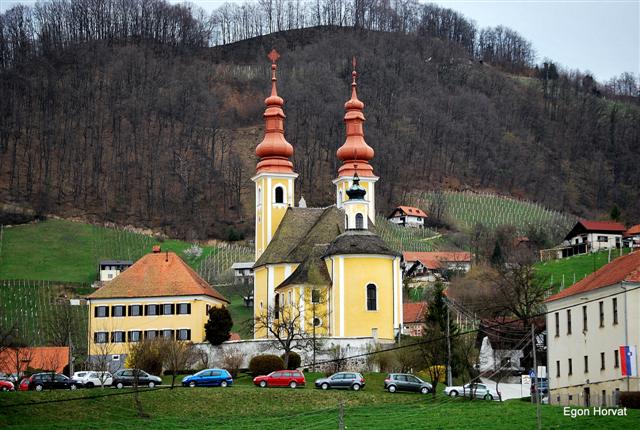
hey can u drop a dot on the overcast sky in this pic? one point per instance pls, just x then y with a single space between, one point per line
602 37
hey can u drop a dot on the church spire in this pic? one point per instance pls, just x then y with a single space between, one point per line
355 153
274 150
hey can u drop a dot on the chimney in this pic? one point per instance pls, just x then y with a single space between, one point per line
155 249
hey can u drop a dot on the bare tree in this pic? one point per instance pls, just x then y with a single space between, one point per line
178 355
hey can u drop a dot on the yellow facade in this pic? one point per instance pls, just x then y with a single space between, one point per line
194 321
269 209
266 279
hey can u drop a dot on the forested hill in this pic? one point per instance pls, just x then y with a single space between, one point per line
161 133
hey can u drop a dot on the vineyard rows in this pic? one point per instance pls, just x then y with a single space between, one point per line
406 239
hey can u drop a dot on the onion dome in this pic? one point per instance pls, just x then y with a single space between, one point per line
355 153
274 150
356 191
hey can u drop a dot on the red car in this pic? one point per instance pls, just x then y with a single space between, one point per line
280 378
24 385
6 385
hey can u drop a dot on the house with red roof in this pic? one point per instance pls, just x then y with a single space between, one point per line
432 266
631 237
413 315
593 334
158 296
591 236
408 216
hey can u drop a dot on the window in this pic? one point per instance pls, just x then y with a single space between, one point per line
259 202
584 318
586 364
557 369
150 310
317 322
315 296
339 197
101 337
276 309
603 239
208 308
601 307
616 359
615 310
135 310
117 336
346 221
568 321
183 334
279 195
101 311
183 309
371 298
167 333
118 311
570 367
602 361
134 336
168 309
150 334
359 221
557 324
290 298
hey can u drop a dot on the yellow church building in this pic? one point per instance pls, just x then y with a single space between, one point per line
326 265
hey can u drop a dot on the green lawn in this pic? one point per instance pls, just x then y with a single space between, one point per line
244 406
576 267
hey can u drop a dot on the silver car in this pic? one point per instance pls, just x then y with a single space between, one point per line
479 391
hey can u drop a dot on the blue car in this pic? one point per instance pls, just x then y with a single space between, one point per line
208 378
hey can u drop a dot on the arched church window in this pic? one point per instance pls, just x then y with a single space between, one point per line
372 299
279 195
276 307
359 221
339 197
259 202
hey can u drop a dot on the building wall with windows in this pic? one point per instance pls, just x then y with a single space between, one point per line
585 332
116 323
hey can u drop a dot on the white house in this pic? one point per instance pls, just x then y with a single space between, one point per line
587 324
109 269
590 236
431 266
408 216
243 270
632 237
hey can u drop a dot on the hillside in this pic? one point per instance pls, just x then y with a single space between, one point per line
160 134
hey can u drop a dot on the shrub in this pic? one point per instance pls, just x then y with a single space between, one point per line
294 360
218 326
146 355
232 360
264 364
630 399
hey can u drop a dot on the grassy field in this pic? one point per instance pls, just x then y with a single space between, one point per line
244 406
573 269
465 209
408 239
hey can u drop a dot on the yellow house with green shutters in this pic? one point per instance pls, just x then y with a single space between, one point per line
326 265
158 296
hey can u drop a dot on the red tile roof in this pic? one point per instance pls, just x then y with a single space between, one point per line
158 274
410 210
234 336
625 268
50 358
461 257
633 231
603 226
413 312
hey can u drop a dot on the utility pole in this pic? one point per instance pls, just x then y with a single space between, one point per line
71 369
535 369
314 334
449 377
341 416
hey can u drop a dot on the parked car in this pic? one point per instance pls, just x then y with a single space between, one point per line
208 378
280 378
348 380
125 377
406 382
91 379
480 391
52 381
6 385
24 384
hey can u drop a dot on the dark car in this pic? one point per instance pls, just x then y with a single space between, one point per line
281 378
127 377
208 378
346 380
406 382
52 381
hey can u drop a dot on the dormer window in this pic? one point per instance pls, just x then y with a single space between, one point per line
359 221
279 195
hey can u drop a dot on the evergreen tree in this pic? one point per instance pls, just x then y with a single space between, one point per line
217 329
615 213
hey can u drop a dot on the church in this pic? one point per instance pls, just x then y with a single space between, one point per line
323 268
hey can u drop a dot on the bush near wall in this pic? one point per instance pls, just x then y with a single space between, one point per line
265 364
630 399
294 360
